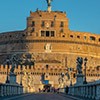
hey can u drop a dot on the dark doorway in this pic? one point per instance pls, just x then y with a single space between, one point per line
47 87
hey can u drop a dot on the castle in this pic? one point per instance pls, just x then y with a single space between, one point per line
54 48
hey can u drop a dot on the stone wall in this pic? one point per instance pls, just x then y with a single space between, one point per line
34 74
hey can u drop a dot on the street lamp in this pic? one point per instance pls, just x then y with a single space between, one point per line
21 74
85 62
70 70
7 80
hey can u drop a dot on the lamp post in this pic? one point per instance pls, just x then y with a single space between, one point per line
85 62
70 70
21 75
7 80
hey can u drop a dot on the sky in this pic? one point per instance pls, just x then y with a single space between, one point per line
83 15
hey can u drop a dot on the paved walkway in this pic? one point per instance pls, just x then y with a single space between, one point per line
75 97
42 96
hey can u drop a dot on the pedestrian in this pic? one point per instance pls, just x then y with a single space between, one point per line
66 89
39 90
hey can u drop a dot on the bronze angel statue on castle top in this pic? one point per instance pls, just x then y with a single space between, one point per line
49 2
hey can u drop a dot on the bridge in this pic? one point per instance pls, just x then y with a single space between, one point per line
81 90
90 91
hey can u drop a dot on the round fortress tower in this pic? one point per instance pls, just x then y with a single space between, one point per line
52 44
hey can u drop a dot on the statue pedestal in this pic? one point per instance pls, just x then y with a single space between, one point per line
12 78
79 79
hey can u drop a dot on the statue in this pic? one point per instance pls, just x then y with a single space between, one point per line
49 2
13 61
47 47
62 80
79 65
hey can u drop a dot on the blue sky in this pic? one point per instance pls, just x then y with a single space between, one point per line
84 15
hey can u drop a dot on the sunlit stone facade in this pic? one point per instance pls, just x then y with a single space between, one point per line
53 46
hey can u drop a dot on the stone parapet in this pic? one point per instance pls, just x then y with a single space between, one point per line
90 90
9 89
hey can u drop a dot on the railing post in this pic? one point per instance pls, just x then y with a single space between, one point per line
1 90
98 92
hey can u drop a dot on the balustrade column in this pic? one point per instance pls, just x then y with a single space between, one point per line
86 91
89 91
93 92
83 91
4 90
8 90
77 91
12 90
98 92
1 91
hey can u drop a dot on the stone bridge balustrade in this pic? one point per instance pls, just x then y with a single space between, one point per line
10 89
90 90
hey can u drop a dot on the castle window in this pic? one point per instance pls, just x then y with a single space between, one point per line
99 40
43 24
33 23
84 37
30 67
42 33
78 37
47 33
92 38
71 36
4 67
62 24
52 34
40 15
52 24
63 36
